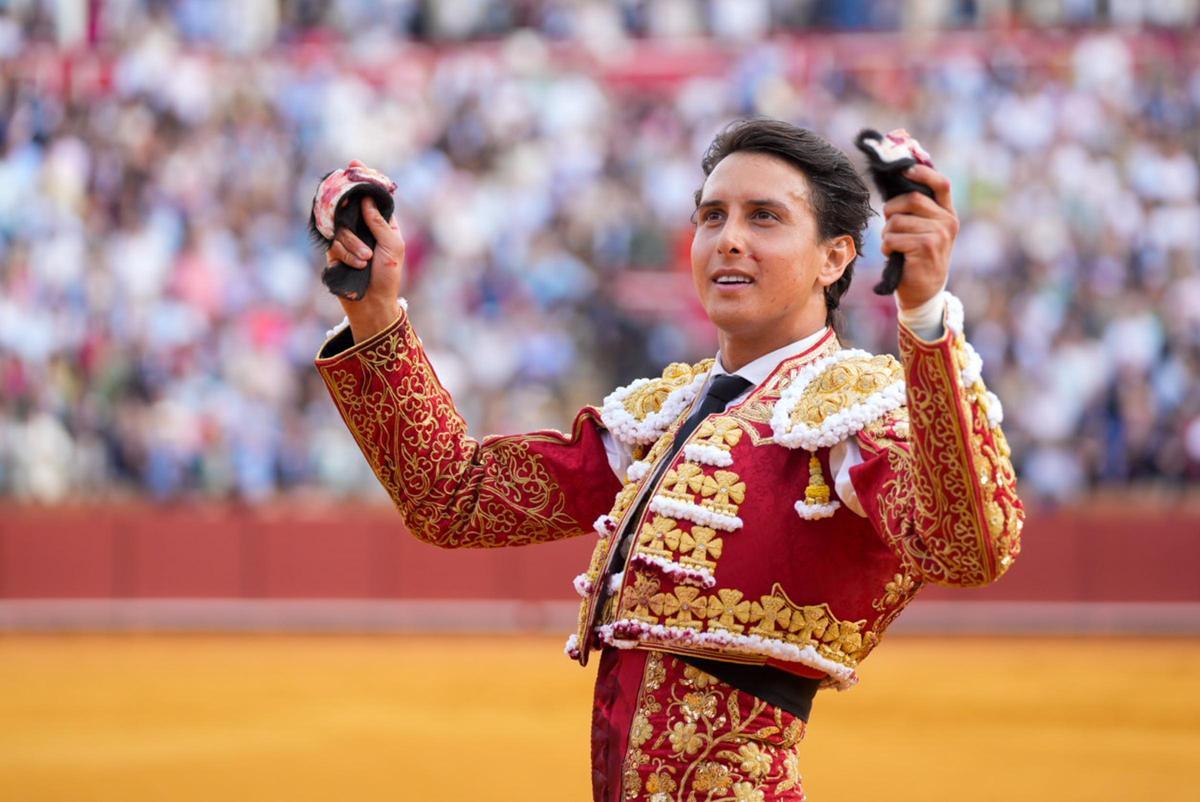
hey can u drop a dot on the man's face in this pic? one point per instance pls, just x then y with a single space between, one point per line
756 255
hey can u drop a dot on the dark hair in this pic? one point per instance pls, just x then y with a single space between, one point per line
841 201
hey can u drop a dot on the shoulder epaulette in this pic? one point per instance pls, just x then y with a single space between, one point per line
641 412
835 397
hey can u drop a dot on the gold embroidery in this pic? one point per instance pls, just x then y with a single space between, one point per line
451 490
723 433
660 536
844 385
695 738
679 480
729 611
649 398
698 545
727 491
679 607
899 587
969 528
638 596
773 616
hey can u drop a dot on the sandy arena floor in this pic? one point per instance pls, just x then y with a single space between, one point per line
182 718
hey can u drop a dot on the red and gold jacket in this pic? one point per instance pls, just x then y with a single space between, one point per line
743 551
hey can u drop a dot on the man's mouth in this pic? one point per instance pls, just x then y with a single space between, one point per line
729 278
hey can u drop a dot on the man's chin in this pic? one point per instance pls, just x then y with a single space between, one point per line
731 319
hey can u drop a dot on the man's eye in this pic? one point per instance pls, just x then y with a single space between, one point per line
710 215
763 214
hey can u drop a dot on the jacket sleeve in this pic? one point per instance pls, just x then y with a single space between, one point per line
454 491
936 479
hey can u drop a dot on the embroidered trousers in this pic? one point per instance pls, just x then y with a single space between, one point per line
665 731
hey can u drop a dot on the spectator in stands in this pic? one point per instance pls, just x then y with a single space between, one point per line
156 318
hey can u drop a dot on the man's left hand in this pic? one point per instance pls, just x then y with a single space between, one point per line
923 230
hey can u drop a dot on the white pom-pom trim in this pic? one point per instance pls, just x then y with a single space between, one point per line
995 411
954 313
614 581
605 525
694 513
841 424
812 512
627 429
571 648
677 571
583 585
339 327
843 676
707 455
636 470
972 370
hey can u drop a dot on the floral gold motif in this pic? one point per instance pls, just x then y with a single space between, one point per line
451 489
723 491
698 545
844 385
723 433
696 739
660 536
649 398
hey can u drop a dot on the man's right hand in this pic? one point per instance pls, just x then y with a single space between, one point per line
379 307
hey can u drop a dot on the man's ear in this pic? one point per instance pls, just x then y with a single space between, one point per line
839 253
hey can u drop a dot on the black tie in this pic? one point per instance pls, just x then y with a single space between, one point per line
724 388
721 391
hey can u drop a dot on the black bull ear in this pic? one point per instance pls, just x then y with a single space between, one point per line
890 181
342 280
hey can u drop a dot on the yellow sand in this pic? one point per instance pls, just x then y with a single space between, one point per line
183 718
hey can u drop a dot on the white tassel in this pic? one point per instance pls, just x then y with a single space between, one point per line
812 512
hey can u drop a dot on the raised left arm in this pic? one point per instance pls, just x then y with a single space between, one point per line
937 480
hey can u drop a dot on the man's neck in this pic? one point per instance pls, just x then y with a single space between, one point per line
736 352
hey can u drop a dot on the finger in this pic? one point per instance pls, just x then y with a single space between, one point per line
337 253
387 234
931 178
356 163
356 253
909 224
906 243
913 203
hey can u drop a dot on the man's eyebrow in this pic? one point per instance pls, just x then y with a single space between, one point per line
774 204
769 202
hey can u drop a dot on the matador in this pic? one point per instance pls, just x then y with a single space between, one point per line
759 518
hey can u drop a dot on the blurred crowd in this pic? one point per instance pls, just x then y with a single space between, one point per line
240 26
159 300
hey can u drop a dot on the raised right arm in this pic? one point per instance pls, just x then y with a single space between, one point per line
454 491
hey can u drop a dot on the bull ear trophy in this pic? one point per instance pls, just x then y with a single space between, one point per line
889 155
338 204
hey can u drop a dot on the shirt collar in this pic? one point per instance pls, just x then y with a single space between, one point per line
757 371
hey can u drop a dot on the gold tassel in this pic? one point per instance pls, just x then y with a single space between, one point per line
817 491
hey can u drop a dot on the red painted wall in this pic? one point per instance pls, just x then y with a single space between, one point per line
343 551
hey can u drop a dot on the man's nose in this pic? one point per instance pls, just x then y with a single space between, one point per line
732 241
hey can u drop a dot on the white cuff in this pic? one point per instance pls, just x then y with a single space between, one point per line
346 321
925 321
